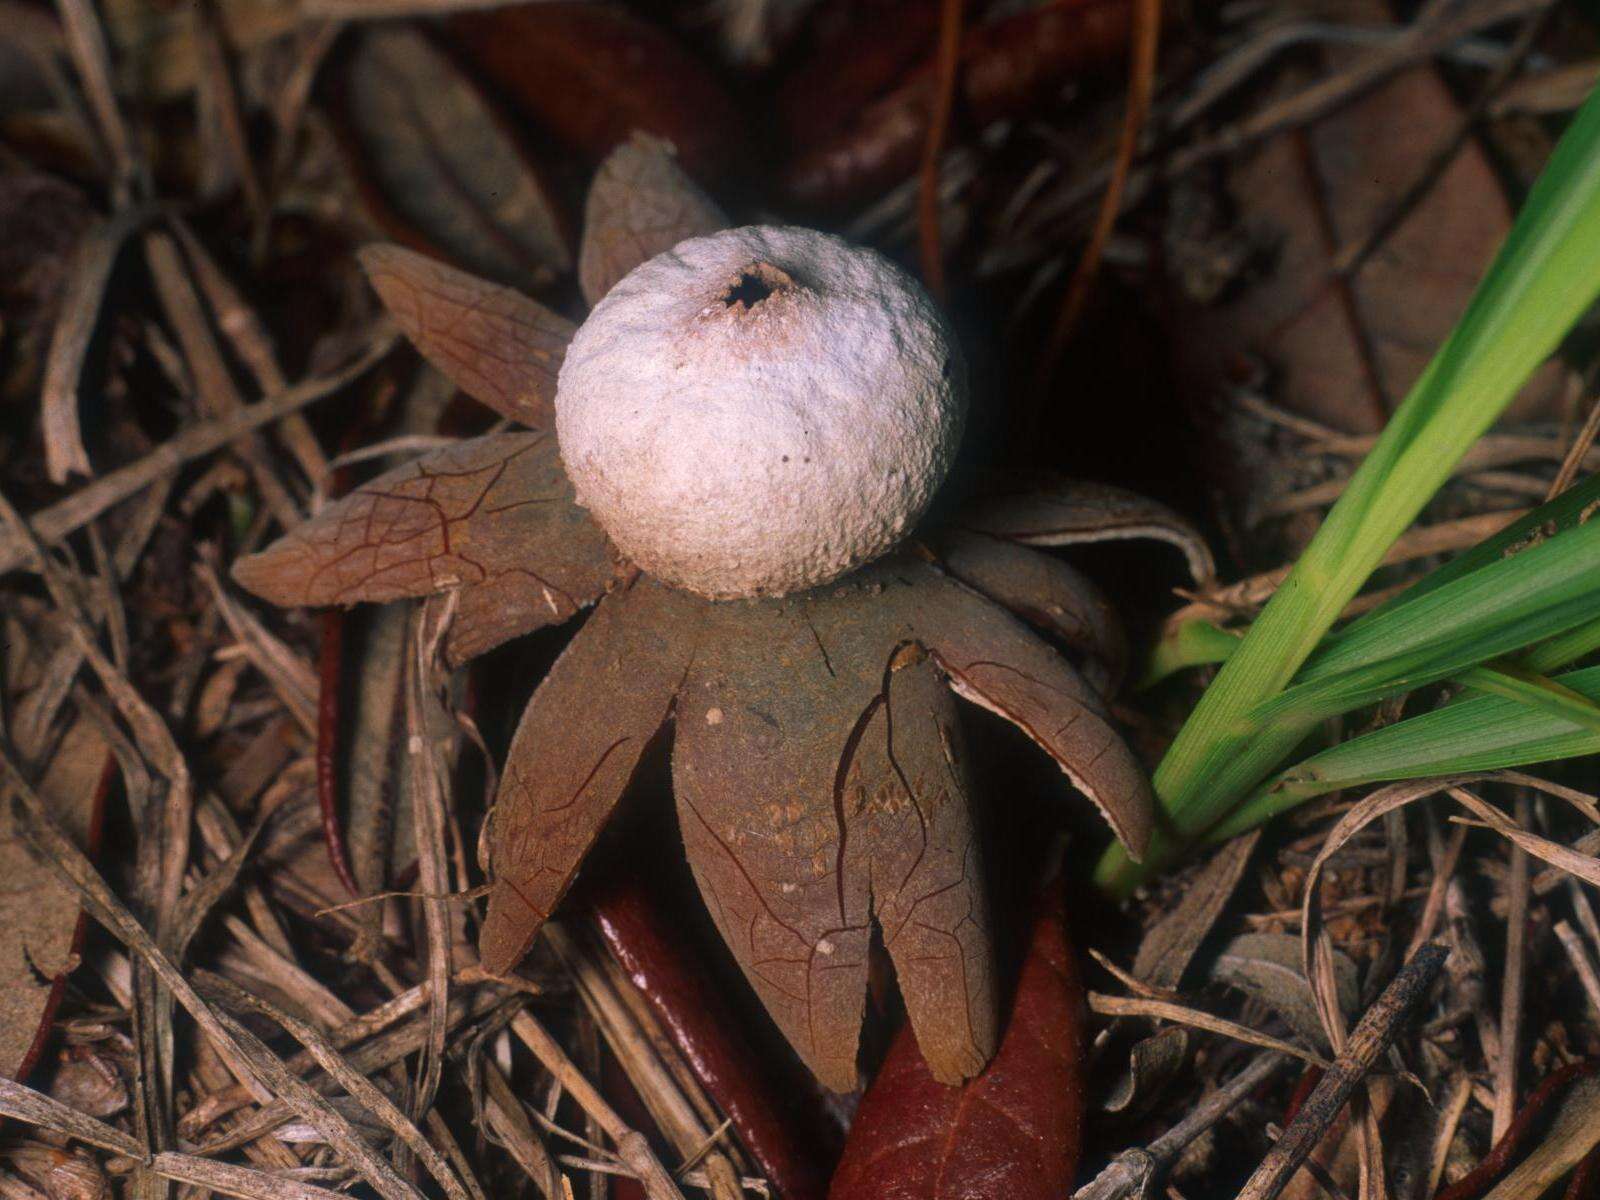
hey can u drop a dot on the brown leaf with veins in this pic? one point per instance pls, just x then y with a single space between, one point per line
640 203
493 516
1341 349
1070 512
501 348
574 752
1045 592
769 724
440 168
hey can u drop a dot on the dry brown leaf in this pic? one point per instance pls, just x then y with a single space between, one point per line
1584 866
445 175
640 203
1169 944
496 344
1152 1064
1343 352
369 718
1266 967
39 915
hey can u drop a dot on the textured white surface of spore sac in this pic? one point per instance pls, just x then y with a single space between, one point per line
758 411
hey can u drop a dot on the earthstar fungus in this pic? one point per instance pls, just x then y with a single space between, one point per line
817 758
759 410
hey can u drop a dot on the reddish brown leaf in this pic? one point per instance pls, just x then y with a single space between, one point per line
442 172
855 54
1071 512
772 1116
1007 67
494 343
493 516
330 657
640 204
593 74
574 752
1014 1131
819 783
1045 592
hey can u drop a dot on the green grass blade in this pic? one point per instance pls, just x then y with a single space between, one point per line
1544 590
1541 281
1197 642
1192 644
1484 733
1564 648
1536 691
1566 511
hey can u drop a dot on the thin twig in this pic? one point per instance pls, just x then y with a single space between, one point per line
1512 978
631 1145
87 42
1572 943
55 522
353 1082
1576 453
1141 91
1373 1034
1131 1173
948 67
428 825
1137 1006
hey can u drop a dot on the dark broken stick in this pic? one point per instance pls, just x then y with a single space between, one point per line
1133 1171
1377 1029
